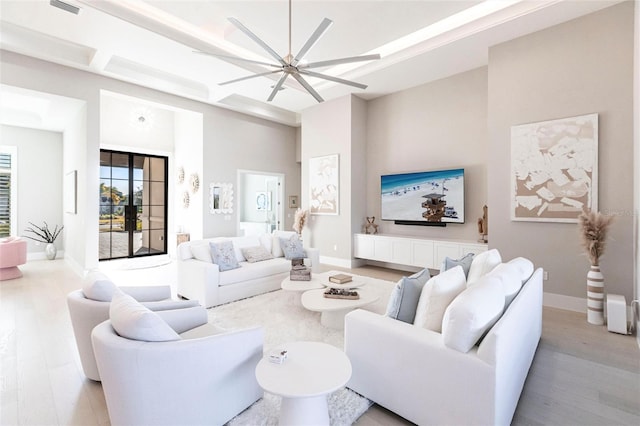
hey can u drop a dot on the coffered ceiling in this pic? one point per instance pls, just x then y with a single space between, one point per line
151 42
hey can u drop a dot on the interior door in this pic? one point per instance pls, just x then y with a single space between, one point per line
133 194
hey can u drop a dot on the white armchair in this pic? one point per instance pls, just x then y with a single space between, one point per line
89 307
205 377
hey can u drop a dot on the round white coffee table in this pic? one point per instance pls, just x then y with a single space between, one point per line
299 287
334 310
311 371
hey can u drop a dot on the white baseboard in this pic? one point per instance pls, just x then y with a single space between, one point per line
568 303
336 261
40 255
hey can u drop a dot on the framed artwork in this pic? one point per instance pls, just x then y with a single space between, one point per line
293 201
263 201
554 169
221 198
324 181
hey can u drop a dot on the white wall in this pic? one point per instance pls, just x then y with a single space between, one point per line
39 178
579 67
636 146
440 125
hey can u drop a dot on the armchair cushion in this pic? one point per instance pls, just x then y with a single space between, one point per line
97 286
436 296
134 321
224 255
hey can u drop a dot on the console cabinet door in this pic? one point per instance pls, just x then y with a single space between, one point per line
364 247
423 254
444 249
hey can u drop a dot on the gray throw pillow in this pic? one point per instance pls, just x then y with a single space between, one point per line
256 254
224 255
405 296
464 261
292 247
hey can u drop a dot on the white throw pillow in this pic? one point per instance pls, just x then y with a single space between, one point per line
97 286
525 268
201 252
472 314
436 296
132 320
509 276
482 264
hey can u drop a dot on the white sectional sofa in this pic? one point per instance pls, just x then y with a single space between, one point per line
201 279
431 377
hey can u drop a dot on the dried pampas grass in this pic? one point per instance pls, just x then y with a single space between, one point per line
593 230
299 219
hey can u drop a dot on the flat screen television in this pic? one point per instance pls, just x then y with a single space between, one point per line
423 198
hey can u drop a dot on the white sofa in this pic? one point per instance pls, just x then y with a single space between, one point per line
425 377
201 279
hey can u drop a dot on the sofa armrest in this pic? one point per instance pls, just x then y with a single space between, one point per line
394 362
148 293
313 259
185 319
198 280
165 305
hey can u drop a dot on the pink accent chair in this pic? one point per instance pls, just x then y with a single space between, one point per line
13 252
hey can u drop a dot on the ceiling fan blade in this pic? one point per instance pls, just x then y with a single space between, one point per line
236 58
322 28
257 39
277 87
248 77
307 86
331 78
331 62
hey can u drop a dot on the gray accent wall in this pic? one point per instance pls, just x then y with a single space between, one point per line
579 67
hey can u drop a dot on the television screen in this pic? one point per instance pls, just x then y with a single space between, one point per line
424 197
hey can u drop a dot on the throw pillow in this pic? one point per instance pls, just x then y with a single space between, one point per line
275 244
482 264
97 286
436 296
133 321
256 254
464 261
404 297
224 255
292 248
472 314
509 276
242 242
201 252
524 266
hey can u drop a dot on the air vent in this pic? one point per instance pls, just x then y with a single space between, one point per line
64 6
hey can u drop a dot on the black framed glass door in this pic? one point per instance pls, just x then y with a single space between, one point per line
133 210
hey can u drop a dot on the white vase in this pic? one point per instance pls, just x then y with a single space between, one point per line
51 251
595 296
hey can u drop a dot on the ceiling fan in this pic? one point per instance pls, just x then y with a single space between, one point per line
294 66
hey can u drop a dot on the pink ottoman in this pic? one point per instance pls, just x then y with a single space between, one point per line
13 252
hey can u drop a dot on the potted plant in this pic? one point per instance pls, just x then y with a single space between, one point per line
593 230
44 235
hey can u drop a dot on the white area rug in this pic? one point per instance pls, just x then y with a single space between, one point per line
285 320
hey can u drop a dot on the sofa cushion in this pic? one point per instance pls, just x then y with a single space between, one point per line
204 330
405 295
241 242
483 263
256 254
224 255
524 266
509 276
201 251
464 261
436 296
266 240
275 245
292 248
97 286
473 313
251 271
132 320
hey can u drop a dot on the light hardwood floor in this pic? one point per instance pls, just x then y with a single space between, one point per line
581 375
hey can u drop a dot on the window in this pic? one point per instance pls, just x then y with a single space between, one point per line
8 191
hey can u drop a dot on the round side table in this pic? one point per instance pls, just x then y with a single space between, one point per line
311 371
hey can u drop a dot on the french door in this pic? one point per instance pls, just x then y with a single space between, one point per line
133 210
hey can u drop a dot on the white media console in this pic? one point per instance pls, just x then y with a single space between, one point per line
412 251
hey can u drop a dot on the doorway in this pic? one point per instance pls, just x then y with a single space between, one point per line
260 205
133 208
